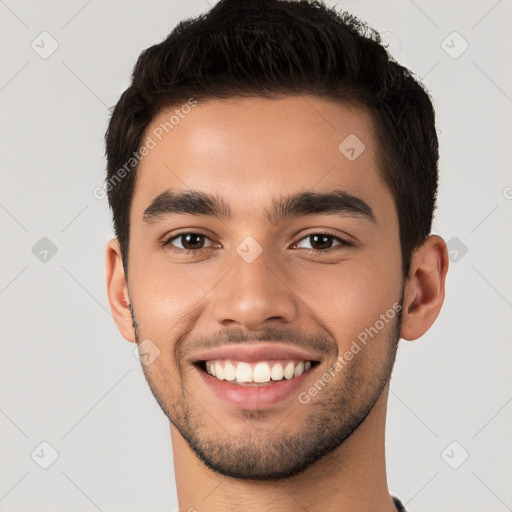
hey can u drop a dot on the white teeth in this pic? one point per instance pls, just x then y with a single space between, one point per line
263 372
219 371
288 371
244 372
229 371
299 370
277 372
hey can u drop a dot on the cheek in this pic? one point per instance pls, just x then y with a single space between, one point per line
351 297
164 295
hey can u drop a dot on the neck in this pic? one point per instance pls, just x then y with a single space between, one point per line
350 479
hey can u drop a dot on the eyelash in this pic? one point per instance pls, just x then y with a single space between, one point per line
167 243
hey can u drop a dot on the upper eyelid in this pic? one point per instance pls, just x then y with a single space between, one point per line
174 236
341 239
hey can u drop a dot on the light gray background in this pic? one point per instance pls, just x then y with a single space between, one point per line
67 376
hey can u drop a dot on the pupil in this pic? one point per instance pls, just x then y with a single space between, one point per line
188 243
324 241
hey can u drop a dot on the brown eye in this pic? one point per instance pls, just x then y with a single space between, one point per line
188 242
321 242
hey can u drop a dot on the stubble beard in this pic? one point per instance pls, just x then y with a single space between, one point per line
259 454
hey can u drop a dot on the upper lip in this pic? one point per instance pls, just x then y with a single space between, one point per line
257 351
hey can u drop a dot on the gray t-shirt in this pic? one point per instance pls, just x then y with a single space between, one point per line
398 505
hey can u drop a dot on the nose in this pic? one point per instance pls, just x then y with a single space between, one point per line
252 295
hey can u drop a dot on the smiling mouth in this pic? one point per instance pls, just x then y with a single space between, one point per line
257 373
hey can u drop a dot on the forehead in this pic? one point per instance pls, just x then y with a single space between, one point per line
252 149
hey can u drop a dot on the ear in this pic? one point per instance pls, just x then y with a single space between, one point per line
425 287
117 290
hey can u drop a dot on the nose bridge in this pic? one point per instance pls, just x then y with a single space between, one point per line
253 292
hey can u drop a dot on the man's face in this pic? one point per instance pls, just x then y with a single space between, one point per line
264 288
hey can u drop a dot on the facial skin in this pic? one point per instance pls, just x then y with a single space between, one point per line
252 152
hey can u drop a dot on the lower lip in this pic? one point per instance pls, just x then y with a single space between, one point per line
253 397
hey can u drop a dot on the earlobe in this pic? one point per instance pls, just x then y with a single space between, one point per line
425 288
117 290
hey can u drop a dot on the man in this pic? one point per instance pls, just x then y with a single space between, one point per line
273 175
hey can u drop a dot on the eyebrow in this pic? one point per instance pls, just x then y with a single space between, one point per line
337 202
